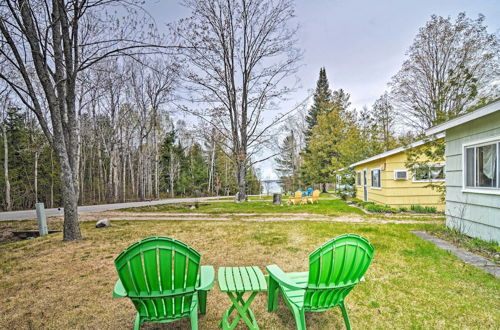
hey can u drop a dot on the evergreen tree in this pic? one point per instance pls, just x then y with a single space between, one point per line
253 183
29 172
170 153
287 163
335 142
322 98
198 169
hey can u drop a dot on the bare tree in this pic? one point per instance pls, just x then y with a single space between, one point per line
240 52
4 103
384 117
160 82
450 66
47 44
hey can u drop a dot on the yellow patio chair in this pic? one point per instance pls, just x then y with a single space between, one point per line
314 198
297 199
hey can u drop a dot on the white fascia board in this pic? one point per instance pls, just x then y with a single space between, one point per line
481 112
396 151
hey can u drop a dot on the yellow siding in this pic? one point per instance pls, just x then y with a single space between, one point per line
396 193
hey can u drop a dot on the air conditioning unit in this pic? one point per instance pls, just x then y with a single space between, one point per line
401 175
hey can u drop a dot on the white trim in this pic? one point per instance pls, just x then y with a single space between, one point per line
479 190
359 175
379 177
481 112
396 178
423 181
480 143
397 150
429 180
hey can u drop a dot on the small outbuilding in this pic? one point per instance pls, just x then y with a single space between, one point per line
472 172
384 179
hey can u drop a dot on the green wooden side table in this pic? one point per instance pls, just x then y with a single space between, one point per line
236 281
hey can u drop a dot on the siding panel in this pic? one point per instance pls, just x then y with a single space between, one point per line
477 214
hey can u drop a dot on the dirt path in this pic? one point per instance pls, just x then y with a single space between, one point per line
261 217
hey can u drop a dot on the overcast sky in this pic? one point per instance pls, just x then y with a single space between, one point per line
361 44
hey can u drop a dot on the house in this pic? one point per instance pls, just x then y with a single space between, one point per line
384 179
472 172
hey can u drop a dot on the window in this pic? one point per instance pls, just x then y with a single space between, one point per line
481 165
359 179
400 175
428 173
376 178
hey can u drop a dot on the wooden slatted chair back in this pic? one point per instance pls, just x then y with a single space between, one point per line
315 195
334 269
160 276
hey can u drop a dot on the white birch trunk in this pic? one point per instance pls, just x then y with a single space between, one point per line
8 203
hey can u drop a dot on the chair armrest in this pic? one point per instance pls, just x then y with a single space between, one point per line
207 278
119 291
282 278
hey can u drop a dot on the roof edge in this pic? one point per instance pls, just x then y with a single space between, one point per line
397 150
478 113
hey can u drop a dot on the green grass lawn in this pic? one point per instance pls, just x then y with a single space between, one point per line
327 207
283 196
47 283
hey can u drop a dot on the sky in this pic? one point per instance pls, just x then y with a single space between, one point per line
362 44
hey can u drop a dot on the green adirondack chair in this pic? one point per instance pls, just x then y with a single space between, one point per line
334 269
164 280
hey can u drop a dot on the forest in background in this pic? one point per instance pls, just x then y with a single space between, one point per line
131 148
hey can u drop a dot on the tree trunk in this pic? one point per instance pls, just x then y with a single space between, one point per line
140 173
113 176
212 165
132 177
8 203
51 179
242 176
172 173
156 168
36 176
124 178
82 177
323 188
101 176
70 190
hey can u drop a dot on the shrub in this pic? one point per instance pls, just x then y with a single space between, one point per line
423 209
356 201
365 204
380 208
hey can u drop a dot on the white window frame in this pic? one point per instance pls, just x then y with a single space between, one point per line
359 176
396 178
379 177
429 180
480 143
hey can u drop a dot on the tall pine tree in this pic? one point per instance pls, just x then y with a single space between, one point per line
322 98
334 142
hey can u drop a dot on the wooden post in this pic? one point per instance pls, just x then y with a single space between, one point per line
42 221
